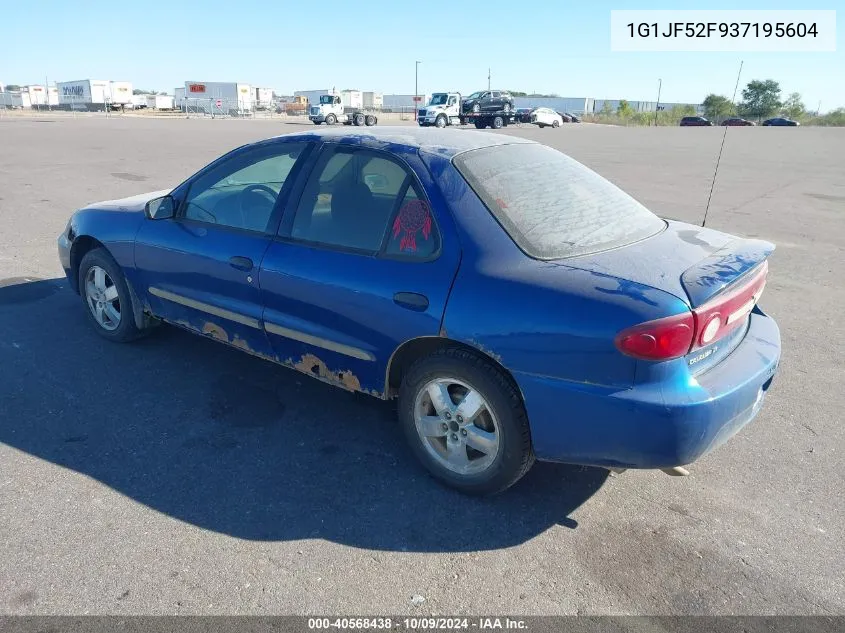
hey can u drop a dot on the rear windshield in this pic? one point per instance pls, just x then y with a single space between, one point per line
551 205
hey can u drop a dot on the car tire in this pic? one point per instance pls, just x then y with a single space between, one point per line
440 121
497 123
541 125
476 107
500 426
479 125
331 119
98 265
507 108
555 123
317 122
359 119
370 120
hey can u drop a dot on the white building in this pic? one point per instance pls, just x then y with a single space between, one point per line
403 103
219 97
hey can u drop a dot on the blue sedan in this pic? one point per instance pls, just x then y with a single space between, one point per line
517 304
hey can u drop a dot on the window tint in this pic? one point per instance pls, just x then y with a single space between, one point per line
352 199
242 192
551 205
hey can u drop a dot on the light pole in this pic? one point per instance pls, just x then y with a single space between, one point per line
416 83
657 105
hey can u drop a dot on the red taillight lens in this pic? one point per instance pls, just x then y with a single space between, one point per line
727 311
675 336
660 339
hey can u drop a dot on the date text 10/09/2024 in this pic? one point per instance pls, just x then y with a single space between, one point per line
724 29
417 623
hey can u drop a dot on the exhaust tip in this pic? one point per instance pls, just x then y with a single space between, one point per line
676 471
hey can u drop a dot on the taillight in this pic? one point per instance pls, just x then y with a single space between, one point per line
676 336
727 311
660 339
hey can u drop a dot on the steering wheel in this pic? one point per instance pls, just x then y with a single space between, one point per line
256 188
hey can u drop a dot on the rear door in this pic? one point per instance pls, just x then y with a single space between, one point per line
364 261
200 269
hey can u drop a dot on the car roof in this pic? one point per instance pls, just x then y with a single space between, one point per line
444 142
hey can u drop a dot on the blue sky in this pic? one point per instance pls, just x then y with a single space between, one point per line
159 44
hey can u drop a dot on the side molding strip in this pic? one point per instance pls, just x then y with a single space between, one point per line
340 348
204 307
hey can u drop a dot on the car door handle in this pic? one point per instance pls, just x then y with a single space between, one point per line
411 300
241 263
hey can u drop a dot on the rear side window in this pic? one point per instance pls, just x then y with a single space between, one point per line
551 205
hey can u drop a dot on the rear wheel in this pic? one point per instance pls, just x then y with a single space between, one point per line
479 125
507 108
556 123
498 122
541 125
465 422
106 295
476 107
331 119
358 119
370 120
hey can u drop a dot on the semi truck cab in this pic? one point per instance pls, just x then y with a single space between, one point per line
444 108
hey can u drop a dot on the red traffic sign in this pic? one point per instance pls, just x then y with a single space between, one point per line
219 103
417 98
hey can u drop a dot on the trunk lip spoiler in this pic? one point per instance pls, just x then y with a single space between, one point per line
712 275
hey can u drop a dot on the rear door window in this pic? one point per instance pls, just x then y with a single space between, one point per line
551 205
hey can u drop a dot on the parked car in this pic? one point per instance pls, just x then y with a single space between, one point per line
737 121
517 304
564 117
543 117
781 121
524 114
693 121
488 101
574 119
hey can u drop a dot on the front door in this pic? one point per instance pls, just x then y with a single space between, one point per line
200 269
362 265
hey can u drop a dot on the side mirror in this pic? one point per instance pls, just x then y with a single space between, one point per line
160 208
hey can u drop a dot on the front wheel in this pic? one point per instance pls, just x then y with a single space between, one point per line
556 123
106 296
440 121
465 421
331 119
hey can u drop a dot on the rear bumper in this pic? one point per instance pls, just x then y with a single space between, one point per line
656 425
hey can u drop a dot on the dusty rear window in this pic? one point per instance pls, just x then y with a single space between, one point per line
551 205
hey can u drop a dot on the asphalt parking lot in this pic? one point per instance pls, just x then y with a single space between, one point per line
176 475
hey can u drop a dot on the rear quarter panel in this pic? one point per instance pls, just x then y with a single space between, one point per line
535 317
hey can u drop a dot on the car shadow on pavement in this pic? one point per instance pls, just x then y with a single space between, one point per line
230 443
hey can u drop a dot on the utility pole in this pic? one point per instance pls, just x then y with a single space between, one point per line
416 83
657 105
488 79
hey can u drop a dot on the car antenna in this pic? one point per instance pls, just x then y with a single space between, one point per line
716 171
